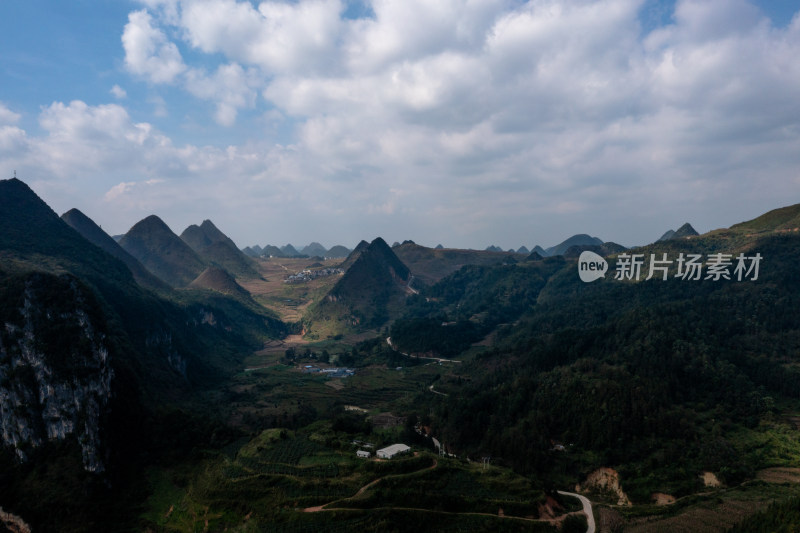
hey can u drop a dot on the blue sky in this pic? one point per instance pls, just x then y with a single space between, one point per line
465 123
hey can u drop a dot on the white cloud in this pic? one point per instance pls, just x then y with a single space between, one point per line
279 37
491 116
7 116
230 86
148 52
118 92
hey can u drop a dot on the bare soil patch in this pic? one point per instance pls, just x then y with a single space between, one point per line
660 498
604 480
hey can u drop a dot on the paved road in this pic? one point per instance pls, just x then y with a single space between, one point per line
437 359
587 508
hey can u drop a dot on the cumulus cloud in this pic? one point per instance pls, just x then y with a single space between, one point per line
148 51
118 92
491 116
7 116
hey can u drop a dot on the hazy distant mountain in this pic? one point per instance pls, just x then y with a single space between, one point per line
338 251
216 248
162 252
290 251
439 247
95 234
272 251
523 250
605 249
314 249
430 265
252 251
493 248
684 231
539 250
575 240
669 234
218 279
534 256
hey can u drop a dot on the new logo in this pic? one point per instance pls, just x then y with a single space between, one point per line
591 266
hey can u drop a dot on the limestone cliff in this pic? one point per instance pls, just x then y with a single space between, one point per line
55 374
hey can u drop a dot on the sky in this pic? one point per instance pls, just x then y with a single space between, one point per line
466 123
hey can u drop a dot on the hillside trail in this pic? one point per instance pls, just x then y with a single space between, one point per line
364 489
587 509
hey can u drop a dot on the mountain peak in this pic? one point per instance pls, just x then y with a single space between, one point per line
95 235
216 248
686 231
162 252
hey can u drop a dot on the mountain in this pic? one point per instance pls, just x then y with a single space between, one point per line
352 256
439 247
314 249
430 265
272 251
289 251
95 234
93 367
337 252
534 256
539 250
523 250
372 289
162 252
660 379
783 219
669 234
605 249
493 248
684 231
575 240
216 248
252 251
218 279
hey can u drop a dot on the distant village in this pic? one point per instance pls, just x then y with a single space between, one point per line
308 274
330 372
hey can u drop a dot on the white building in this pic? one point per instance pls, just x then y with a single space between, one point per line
391 451
363 454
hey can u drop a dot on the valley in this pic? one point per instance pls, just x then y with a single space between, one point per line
175 383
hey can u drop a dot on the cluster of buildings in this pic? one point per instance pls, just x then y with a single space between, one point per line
330 372
308 274
385 453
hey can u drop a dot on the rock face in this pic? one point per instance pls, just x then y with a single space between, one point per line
55 376
605 480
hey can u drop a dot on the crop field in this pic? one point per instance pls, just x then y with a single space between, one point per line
289 300
273 477
710 513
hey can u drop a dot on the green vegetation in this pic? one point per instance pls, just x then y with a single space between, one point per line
206 428
779 517
273 477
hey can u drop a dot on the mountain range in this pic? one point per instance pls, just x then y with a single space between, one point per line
136 391
314 249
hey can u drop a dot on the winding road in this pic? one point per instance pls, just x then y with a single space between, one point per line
437 359
587 508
